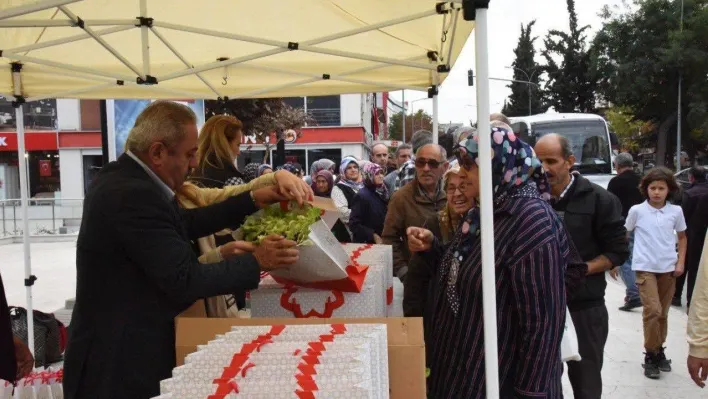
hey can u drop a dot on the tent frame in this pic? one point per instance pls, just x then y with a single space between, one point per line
472 9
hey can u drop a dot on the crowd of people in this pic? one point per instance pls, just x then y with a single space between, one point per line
173 200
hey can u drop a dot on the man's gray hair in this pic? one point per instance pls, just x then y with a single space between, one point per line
443 153
404 146
624 160
421 138
162 121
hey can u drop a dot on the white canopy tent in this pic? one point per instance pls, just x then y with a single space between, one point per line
221 49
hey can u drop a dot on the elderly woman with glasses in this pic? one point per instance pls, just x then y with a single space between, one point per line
531 250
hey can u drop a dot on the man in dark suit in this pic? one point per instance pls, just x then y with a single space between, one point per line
136 269
695 210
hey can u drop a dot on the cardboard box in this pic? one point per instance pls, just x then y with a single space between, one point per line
376 257
406 349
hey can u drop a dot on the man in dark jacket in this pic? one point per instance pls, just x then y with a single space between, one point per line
416 204
594 220
135 266
695 210
16 360
625 186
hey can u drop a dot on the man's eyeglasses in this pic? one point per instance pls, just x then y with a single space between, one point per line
421 162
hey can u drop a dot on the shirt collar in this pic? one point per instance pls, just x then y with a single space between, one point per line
567 188
655 210
164 187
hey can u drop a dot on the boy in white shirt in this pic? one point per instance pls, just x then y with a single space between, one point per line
655 261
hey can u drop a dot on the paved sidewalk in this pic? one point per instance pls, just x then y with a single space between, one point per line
54 265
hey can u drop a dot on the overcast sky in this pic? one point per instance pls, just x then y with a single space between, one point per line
506 17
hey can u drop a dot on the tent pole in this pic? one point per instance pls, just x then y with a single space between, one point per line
184 60
435 108
69 93
33 7
486 215
24 178
60 65
145 39
51 23
100 41
69 39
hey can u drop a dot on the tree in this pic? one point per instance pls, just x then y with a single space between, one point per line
525 69
420 120
639 56
261 117
570 85
632 132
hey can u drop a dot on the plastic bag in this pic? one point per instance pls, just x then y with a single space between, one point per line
569 343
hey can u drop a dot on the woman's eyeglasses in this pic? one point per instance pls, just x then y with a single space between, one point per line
462 187
421 162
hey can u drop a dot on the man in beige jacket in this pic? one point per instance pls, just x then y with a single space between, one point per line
698 324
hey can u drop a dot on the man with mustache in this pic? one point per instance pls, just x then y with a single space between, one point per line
416 204
593 217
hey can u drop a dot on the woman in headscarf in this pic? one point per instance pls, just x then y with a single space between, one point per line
317 166
323 184
531 250
250 172
343 194
264 169
370 206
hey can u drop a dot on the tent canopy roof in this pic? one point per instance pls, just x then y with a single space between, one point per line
98 48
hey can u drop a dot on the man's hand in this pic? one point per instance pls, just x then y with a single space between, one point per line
25 361
679 270
419 239
378 239
698 370
235 248
293 187
275 252
266 196
614 272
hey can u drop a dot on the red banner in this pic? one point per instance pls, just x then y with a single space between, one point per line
45 168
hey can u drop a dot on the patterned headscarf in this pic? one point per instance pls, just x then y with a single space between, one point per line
516 172
263 168
293 168
250 172
321 164
369 171
354 185
330 182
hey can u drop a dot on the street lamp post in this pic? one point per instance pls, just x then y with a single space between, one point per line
413 115
528 78
678 124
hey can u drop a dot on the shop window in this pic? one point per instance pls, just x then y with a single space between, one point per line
43 169
39 115
92 165
333 154
325 110
292 156
90 114
247 157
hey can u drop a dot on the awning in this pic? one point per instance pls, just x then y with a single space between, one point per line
265 48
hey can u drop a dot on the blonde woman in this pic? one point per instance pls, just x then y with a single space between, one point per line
191 196
218 146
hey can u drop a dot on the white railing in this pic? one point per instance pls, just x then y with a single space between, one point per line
46 216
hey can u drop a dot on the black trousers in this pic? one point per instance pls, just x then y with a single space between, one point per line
689 276
592 328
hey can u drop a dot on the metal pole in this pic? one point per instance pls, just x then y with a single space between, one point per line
24 178
678 124
54 224
403 103
489 305
435 109
530 113
104 132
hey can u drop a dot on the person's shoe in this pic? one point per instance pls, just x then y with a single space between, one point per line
629 305
662 362
651 369
676 302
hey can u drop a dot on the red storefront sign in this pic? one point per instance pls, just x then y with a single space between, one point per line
34 141
45 168
318 135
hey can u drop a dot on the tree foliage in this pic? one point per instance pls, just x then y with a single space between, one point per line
420 120
571 81
261 117
525 69
632 132
640 54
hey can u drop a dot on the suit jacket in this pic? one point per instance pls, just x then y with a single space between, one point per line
136 271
